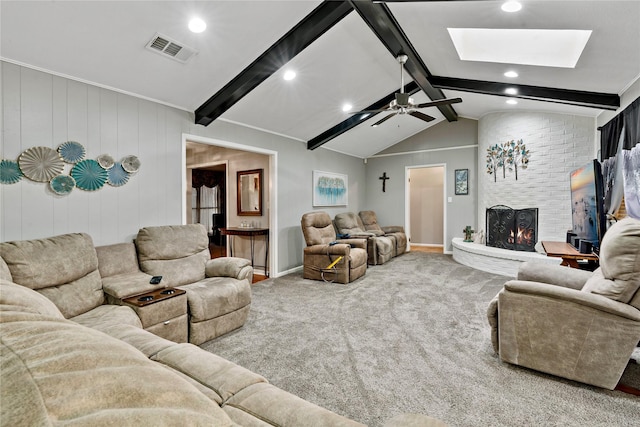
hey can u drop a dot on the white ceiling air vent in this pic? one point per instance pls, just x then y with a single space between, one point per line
170 48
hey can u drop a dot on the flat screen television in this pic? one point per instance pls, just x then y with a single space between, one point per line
587 204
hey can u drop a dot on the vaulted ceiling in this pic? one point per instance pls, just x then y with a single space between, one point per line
342 52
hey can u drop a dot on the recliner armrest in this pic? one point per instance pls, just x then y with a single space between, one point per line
574 296
553 274
337 249
237 268
356 242
393 229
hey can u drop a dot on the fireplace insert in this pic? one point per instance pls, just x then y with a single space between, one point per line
514 229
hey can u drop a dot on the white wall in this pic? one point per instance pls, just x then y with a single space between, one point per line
426 205
557 144
453 145
631 94
41 109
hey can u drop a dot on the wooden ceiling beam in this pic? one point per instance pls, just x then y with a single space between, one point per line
606 101
314 25
384 25
357 118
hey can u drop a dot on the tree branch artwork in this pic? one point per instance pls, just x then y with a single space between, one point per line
494 160
505 156
516 153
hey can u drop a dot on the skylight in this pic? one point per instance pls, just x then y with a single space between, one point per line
546 48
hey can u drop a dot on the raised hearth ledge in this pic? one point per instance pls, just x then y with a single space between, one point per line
495 260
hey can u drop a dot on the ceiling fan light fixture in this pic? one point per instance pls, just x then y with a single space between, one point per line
511 6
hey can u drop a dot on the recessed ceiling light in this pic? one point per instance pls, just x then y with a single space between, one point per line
547 48
197 25
511 91
511 74
512 101
347 107
289 75
511 6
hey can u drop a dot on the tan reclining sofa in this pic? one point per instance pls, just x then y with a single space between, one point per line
73 354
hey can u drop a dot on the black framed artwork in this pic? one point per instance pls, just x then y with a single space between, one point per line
462 182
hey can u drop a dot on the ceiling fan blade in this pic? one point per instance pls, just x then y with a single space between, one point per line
421 116
439 102
369 111
384 119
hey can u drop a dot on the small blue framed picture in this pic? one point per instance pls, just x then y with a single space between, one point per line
462 182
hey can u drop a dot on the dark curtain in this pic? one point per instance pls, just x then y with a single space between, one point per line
207 178
609 137
620 154
631 116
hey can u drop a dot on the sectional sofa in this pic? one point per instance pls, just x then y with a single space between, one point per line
78 350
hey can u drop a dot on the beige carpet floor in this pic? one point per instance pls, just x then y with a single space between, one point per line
410 336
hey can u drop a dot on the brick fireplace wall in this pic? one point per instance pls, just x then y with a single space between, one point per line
557 144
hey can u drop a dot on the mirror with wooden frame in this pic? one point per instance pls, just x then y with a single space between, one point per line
250 192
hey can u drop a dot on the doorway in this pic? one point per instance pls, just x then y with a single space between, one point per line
236 158
209 202
426 207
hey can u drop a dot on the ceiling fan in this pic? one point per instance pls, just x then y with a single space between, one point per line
403 103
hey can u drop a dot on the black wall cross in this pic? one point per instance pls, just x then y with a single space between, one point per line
384 179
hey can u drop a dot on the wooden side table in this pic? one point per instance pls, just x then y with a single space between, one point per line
568 253
162 312
251 233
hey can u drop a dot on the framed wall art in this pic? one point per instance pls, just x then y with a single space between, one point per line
462 182
329 189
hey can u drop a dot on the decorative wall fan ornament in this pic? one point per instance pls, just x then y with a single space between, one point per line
40 164
89 175
62 184
131 164
71 151
403 104
117 176
105 161
10 172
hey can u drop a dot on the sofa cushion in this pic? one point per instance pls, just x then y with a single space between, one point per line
58 372
178 253
15 297
370 222
618 276
218 374
277 407
108 314
350 223
63 268
317 228
119 258
216 296
5 273
146 342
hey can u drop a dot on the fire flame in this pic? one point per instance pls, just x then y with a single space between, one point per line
524 236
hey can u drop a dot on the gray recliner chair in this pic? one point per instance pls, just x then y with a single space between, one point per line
370 221
380 249
572 323
320 253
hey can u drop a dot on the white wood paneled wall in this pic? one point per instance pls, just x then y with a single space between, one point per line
40 109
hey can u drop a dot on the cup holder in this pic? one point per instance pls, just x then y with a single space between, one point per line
168 292
146 298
